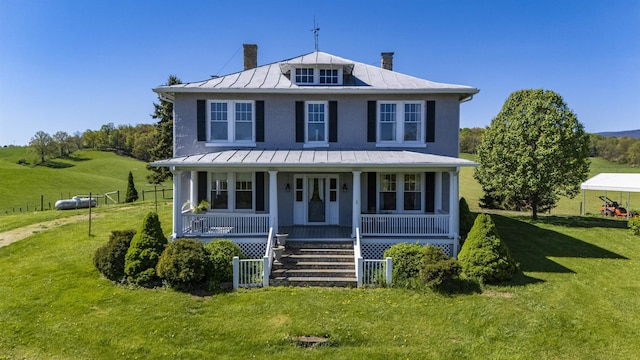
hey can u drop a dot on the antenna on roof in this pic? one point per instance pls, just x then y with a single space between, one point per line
315 31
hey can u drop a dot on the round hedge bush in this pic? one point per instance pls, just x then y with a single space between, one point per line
406 263
484 256
436 268
634 225
109 258
221 254
183 263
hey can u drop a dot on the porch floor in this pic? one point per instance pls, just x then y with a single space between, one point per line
316 232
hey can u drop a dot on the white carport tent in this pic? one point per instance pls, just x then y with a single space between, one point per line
611 182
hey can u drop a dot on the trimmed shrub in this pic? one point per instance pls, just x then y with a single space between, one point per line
437 268
132 193
183 263
221 253
484 255
406 263
144 252
634 225
466 220
109 258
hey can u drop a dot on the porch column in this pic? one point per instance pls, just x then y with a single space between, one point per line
193 189
273 200
438 192
454 205
356 208
177 205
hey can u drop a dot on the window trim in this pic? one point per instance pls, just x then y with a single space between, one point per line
308 143
231 123
400 124
400 190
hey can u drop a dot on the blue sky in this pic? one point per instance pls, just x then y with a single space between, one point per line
74 65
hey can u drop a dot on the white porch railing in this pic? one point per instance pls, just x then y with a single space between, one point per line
254 272
370 272
404 224
225 224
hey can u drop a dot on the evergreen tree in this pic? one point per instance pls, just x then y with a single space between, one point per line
145 250
132 193
163 148
534 151
484 255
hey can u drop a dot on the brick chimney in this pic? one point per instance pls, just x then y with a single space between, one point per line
386 62
250 56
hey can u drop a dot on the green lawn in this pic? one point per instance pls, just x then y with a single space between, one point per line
576 297
85 171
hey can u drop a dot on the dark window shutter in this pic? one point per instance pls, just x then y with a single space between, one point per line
430 189
333 121
300 121
260 121
202 186
430 128
259 191
201 119
371 191
371 121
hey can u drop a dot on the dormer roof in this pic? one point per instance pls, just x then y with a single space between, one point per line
360 78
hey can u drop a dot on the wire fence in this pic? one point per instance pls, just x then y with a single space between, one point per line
47 202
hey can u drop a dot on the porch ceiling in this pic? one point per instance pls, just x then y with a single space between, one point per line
314 158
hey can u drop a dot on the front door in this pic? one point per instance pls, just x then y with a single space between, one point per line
316 200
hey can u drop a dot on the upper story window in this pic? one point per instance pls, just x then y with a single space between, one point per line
400 122
328 76
231 122
304 76
317 76
316 122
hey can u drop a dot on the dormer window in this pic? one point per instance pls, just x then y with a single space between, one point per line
304 76
317 76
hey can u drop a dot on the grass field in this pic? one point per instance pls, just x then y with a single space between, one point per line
576 297
85 171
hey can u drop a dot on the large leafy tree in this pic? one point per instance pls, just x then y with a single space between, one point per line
43 145
163 148
534 151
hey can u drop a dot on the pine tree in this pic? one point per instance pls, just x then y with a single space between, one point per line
145 250
163 148
132 193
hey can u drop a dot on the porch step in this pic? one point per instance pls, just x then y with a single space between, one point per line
315 264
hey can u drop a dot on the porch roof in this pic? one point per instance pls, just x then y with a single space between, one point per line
314 158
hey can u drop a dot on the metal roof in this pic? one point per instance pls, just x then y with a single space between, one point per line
613 182
275 78
315 158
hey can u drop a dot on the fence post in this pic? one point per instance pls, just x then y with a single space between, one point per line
236 272
359 271
118 196
41 202
266 271
142 195
389 270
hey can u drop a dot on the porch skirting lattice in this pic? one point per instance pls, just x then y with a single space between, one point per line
374 248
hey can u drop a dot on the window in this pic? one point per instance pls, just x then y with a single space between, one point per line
231 121
219 191
224 197
316 122
405 194
244 191
328 76
304 76
315 76
388 192
400 122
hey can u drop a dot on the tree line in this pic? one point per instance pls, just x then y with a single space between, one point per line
145 142
622 150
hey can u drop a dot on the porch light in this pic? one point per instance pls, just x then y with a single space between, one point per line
344 188
287 187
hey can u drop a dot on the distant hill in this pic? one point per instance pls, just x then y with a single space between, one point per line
629 133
